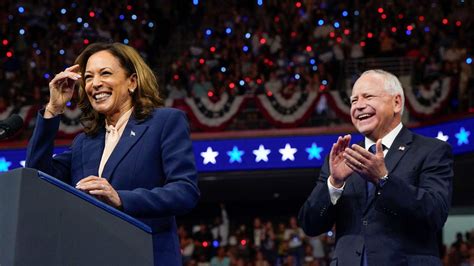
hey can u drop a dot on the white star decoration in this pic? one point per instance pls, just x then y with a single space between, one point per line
209 156
442 137
288 153
261 154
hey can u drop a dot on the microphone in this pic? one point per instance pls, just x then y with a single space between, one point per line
10 126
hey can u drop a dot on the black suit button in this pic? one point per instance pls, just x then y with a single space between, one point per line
365 222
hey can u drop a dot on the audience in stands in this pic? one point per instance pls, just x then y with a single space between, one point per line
199 51
270 241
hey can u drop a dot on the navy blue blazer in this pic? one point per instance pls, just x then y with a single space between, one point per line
152 168
399 226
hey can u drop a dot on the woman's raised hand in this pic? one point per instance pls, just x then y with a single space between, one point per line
61 89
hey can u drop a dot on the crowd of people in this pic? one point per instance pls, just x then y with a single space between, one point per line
236 47
285 46
262 241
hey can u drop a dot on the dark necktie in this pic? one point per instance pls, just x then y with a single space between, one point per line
370 185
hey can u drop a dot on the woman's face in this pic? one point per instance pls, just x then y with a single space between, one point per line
107 85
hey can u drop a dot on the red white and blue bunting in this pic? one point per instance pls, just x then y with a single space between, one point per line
422 102
291 112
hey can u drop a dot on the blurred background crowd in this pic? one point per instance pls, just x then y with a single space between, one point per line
208 49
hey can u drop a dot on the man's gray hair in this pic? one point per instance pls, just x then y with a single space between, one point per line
391 83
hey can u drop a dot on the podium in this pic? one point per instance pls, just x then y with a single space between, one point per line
44 221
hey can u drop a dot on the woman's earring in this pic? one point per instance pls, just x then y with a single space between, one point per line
131 91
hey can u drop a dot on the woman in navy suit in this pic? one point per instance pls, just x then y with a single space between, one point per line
134 154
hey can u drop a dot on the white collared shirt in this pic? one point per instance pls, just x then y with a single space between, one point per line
387 141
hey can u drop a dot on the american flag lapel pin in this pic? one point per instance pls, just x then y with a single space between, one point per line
132 133
401 148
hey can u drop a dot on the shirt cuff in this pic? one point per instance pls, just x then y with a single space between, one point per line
334 192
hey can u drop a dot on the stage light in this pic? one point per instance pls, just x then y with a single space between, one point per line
208 32
63 11
21 10
344 13
248 35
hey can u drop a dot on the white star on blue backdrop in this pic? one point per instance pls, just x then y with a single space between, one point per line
288 153
209 156
442 137
261 154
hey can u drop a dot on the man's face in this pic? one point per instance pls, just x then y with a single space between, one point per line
374 112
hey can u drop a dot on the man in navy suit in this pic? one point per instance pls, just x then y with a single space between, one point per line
389 196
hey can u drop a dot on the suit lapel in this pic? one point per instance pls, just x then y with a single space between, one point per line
398 149
92 153
132 133
359 185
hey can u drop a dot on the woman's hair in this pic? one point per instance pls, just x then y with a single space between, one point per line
145 98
